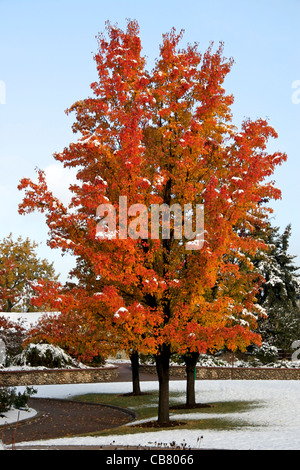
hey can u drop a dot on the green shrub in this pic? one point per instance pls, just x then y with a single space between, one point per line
21 399
6 398
9 398
266 353
44 355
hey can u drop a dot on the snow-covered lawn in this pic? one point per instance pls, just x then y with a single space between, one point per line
273 425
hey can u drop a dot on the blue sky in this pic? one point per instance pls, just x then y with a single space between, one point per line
46 64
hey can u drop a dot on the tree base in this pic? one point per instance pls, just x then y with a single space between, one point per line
190 407
156 424
133 394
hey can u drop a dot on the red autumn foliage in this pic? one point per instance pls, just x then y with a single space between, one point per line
163 137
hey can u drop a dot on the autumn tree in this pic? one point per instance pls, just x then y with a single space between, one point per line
20 267
159 139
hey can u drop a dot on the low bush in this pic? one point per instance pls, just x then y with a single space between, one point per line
266 353
9 398
44 355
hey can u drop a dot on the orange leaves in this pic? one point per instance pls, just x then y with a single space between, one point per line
162 137
133 326
37 195
79 327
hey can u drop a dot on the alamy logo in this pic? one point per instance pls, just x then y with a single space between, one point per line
159 220
2 92
296 94
296 345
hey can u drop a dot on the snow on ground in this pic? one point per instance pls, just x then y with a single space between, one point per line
14 415
272 425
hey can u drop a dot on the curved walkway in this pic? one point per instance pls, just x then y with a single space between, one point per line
63 418
58 418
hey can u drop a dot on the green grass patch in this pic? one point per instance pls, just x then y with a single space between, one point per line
146 407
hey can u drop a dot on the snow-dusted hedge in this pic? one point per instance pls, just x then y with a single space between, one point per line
44 355
211 361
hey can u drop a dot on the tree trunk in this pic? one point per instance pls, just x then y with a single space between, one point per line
190 367
134 359
9 306
162 368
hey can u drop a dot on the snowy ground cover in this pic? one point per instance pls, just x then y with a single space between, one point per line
272 425
14 415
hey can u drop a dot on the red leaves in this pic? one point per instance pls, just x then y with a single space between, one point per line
79 326
162 137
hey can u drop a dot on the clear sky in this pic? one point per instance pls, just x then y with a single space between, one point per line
46 64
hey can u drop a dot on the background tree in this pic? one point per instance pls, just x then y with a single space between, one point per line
79 327
20 267
280 292
163 137
13 335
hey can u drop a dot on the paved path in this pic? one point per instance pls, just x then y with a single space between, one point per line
124 374
64 418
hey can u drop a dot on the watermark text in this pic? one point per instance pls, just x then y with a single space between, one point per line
2 92
296 94
154 222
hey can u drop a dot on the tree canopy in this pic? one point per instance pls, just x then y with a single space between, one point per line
163 137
